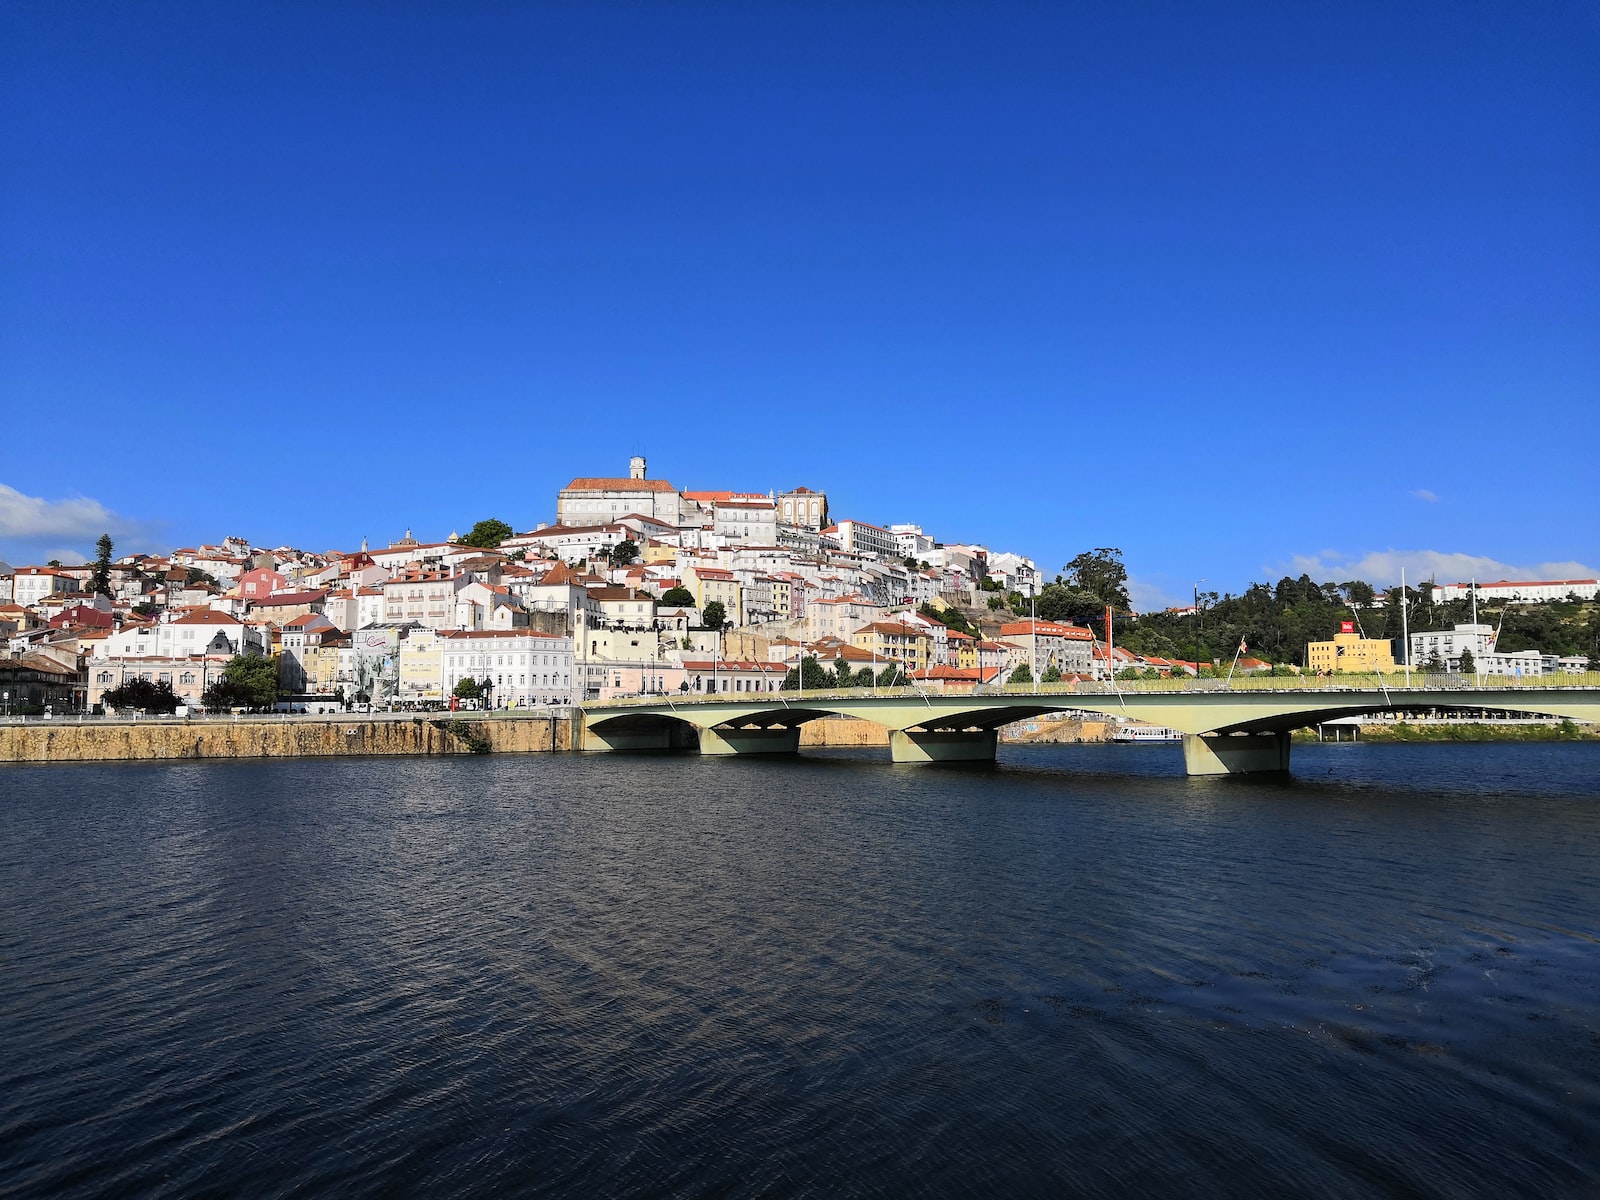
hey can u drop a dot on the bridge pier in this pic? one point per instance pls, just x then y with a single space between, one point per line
634 733
1235 754
942 745
750 741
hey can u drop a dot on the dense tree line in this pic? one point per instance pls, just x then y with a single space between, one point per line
1277 621
817 677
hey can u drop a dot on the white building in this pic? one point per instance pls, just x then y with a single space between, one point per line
1522 592
527 669
598 500
1447 645
909 542
572 542
1014 573
746 521
204 631
1517 663
858 537
32 584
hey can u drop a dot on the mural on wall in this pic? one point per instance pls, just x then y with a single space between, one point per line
377 663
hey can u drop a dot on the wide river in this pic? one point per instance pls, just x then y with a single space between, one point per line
1073 973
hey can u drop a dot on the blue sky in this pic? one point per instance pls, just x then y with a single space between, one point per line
1238 288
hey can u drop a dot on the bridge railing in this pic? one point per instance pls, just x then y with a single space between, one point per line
1420 684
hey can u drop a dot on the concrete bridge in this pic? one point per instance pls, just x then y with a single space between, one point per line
1227 730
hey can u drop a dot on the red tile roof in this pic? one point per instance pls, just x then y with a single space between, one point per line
598 484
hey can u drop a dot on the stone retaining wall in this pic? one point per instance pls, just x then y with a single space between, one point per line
104 741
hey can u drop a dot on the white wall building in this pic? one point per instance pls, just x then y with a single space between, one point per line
527 669
205 631
1523 592
1448 645
596 500
858 537
32 584
745 521
910 542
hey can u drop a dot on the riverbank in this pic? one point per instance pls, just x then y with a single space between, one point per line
334 737
1462 731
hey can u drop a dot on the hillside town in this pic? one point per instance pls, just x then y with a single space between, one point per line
638 587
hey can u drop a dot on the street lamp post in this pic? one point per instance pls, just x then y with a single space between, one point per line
1200 619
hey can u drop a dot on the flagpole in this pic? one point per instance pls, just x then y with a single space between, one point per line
1235 662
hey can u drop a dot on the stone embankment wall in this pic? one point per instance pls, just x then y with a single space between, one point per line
102 741
1047 730
842 731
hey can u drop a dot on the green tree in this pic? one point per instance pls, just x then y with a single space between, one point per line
843 675
624 552
143 695
100 581
1434 665
714 615
467 688
1073 605
1359 592
1022 674
195 575
892 676
678 597
248 681
1469 665
487 534
1052 674
1100 573
816 678
950 618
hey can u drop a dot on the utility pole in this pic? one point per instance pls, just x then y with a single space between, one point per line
1033 640
1405 628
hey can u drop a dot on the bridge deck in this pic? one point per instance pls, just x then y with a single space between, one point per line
928 727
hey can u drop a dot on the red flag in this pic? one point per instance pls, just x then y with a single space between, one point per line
1242 646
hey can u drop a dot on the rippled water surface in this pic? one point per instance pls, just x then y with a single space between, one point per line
1076 972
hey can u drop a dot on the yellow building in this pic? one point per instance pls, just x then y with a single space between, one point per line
908 645
422 667
1349 651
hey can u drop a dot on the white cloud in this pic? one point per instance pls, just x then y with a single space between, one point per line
1425 494
36 530
1382 567
32 517
1150 597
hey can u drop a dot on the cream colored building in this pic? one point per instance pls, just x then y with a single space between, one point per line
714 583
422 668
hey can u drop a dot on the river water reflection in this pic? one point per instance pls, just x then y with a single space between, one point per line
1074 972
